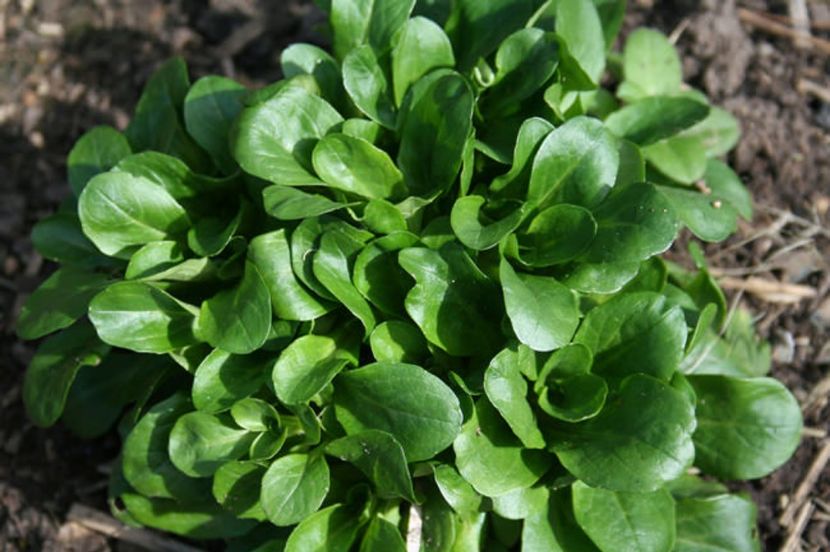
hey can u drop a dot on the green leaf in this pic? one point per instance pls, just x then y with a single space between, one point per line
398 341
456 491
640 440
577 163
209 236
724 523
466 222
236 488
271 255
255 415
746 427
491 458
520 503
477 27
681 158
421 47
556 235
574 398
154 258
434 126
158 124
381 217
97 151
59 301
635 333
634 223
310 362
656 118
515 181
200 443
53 369
417 408
381 458
707 216
544 313
274 139
238 320
198 520
378 276
718 133
626 522
452 301
60 238
600 277
332 529
294 487
145 461
142 318
373 22
173 175
579 27
507 391
651 66
210 107
524 62
727 186
368 86
286 203
222 379
119 211
332 269
355 166
307 59
382 536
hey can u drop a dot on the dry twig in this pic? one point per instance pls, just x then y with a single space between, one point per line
801 23
773 27
793 542
806 86
771 291
111 527
806 485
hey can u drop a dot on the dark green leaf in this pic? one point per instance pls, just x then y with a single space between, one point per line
307 59
236 488
417 408
332 529
724 523
398 341
422 46
60 238
200 443
557 235
507 391
656 118
382 536
294 487
210 107
97 151
374 268
222 379
368 86
468 227
286 203
373 22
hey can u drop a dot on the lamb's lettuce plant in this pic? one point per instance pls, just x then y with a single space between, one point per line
413 292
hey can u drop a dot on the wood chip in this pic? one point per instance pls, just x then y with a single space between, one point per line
111 527
771 291
793 542
806 486
773 27
801 23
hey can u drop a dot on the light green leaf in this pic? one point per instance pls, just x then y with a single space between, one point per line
210 107
491 458
381 217
417 408
626 522
681 158
746 427
382 536
200 443
707 216
456 491
238 320
368 86
52 370
373 22
640 440
310 362
719 132
332 529
727 186
521 503
579 27
355 166
635 333
381 458
119 211
142 318
466 222
274 139
289 299
434 127
544 313
452 300
724 523
421 47
307 59
222 379
577 163
97 151
286 203
398 341
507 391
651 66
255 415
294 487
236 488
656 118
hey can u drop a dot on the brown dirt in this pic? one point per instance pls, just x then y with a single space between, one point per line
67 65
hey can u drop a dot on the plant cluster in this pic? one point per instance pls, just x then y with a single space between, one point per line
413 288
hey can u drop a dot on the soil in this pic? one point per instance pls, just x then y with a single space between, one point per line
67 65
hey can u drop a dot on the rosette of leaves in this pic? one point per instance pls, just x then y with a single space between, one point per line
413 289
